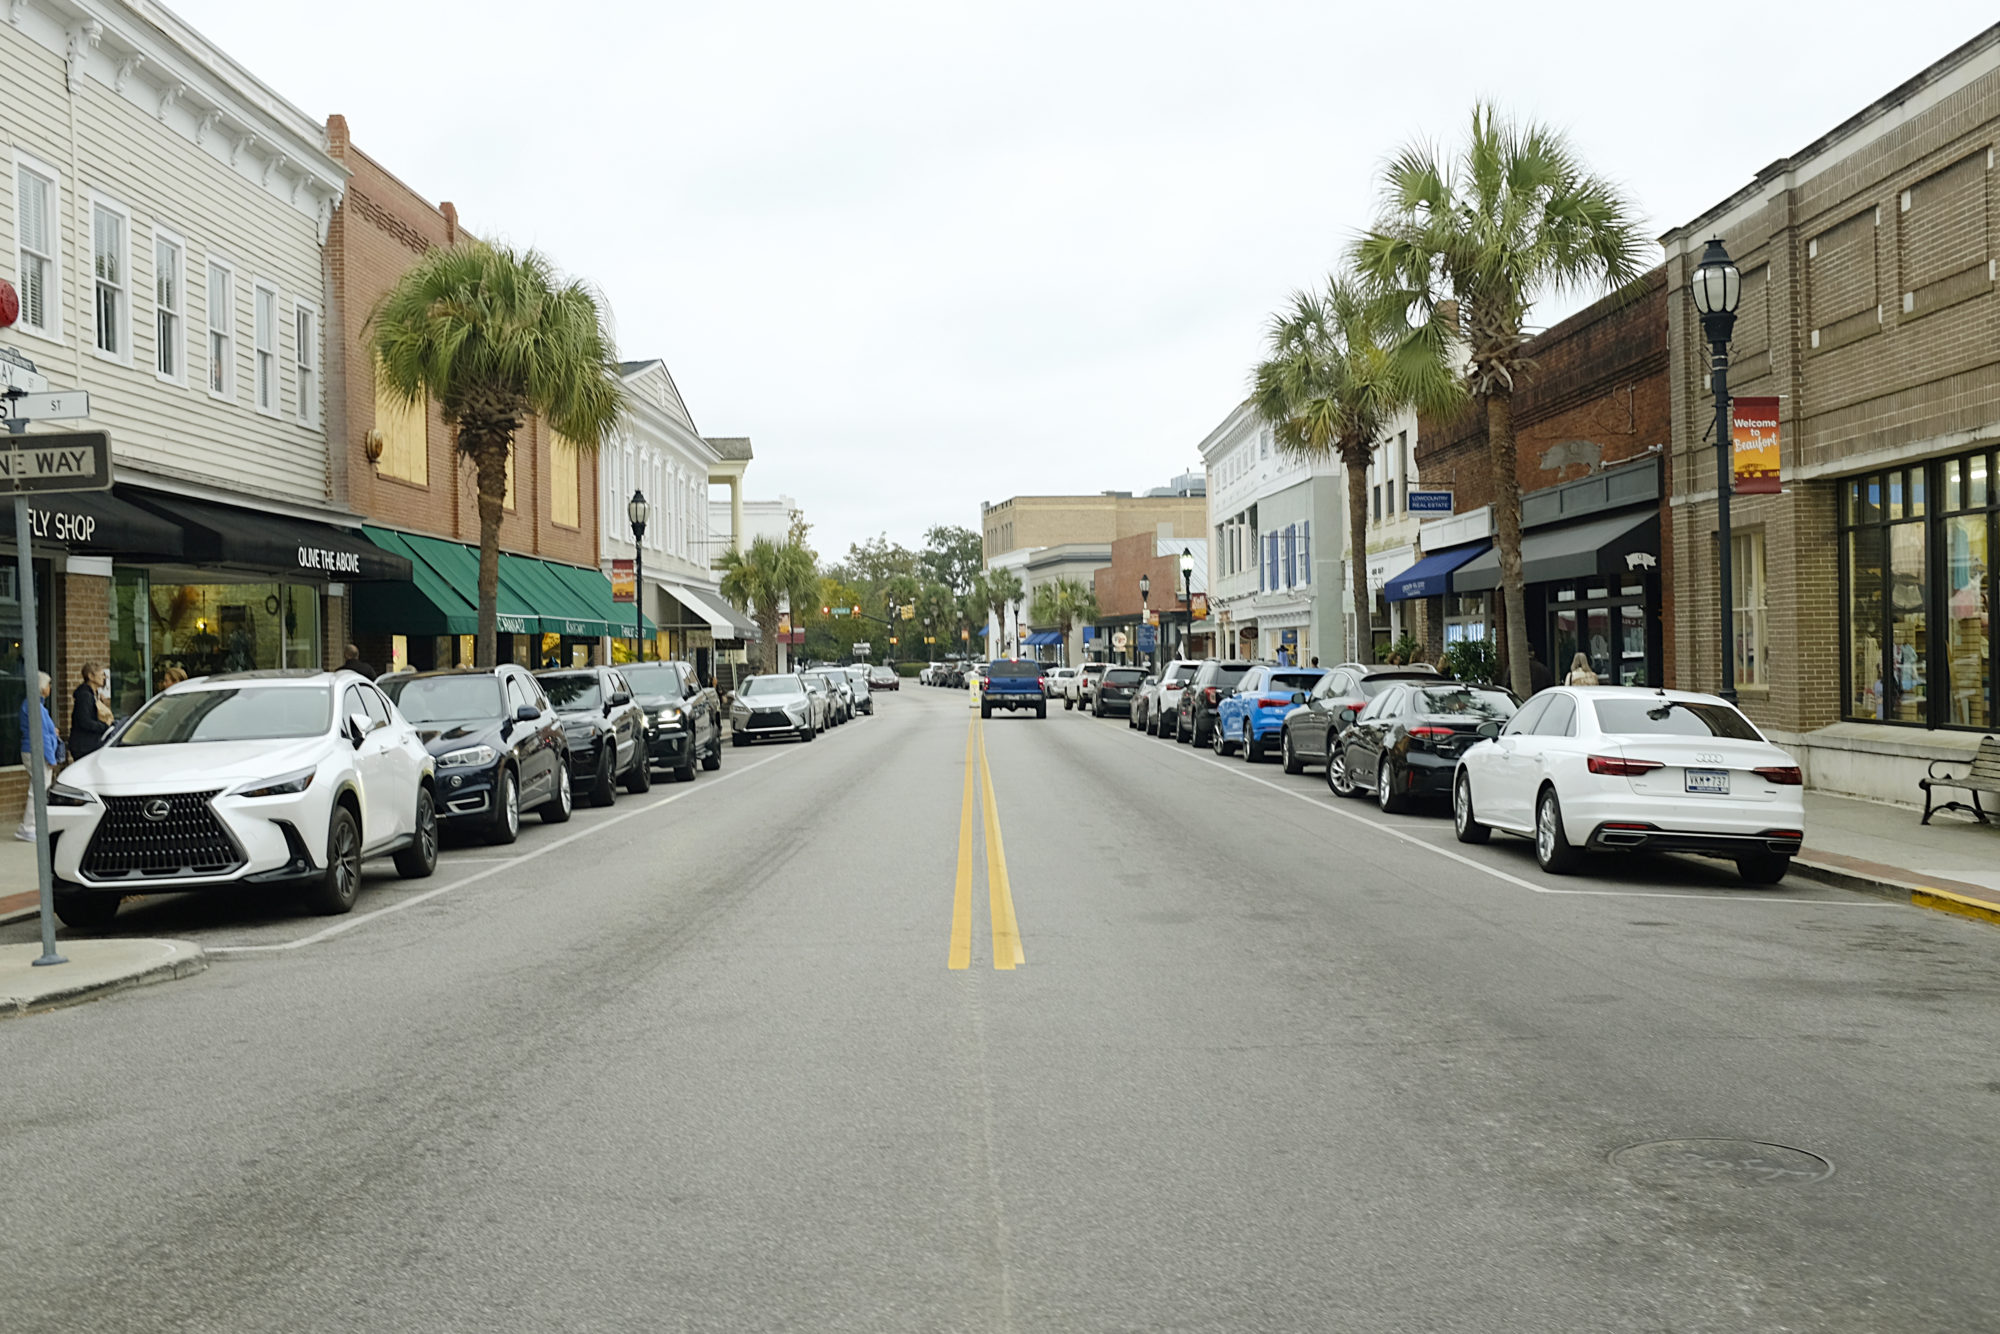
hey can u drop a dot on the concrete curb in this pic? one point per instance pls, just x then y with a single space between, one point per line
1964 905
1963 901
97 968
1881 887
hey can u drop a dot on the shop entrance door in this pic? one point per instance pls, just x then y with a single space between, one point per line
1609 625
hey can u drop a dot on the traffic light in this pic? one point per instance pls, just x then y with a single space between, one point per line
825 610
857 609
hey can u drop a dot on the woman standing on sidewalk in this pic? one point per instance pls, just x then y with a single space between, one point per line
89 716
51 751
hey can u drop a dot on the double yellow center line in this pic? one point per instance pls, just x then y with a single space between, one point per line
1000 898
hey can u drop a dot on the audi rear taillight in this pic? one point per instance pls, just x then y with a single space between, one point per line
1612 767
1782 775
1208 693
1432 731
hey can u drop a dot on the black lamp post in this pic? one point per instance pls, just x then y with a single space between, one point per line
1146 612
638 511
1187 597
1717 287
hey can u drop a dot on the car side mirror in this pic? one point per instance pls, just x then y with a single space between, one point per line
1489 730
621 697
358 727
527 713
1348 715
1298 697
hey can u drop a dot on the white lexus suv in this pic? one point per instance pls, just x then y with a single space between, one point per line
249 778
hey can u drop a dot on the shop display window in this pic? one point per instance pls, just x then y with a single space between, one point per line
13 687
208 628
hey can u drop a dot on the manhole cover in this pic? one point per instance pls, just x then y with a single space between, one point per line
1746 1162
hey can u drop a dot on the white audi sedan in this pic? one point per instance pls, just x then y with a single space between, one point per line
1621 768
248 778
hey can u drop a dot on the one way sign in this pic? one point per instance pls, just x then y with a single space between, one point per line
70 461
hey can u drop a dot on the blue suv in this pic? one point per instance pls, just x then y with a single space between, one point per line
1254 716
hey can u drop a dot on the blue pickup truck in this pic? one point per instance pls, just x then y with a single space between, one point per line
1013 684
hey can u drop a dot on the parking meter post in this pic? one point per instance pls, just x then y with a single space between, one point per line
34 739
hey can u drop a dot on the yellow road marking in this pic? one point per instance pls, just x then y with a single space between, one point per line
961 903
1006 928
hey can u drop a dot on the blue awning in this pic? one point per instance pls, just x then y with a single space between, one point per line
1431 576
1043 638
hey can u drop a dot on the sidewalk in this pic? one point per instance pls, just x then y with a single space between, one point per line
1952 864
95 968
18 894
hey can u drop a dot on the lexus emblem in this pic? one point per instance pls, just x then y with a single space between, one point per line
159 808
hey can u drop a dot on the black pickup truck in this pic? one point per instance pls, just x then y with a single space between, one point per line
1013 684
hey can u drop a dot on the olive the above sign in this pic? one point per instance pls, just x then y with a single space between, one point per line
66 461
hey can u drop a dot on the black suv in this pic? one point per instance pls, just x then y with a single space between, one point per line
683 716
606 731
1194 713
500 748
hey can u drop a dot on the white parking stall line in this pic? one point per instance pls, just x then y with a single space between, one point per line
1330 804
494 867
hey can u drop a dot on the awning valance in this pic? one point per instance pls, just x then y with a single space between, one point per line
1044 638
441 596
96 523
724 621
229 535
1597 549
1431 576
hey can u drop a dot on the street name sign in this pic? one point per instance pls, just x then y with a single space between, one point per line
17 372
70 461
862 649
49 407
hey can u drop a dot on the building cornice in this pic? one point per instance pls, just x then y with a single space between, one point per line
164 69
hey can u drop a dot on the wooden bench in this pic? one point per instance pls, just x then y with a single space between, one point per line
1983 776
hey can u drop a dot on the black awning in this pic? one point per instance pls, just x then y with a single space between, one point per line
228 535
97 523
1601 548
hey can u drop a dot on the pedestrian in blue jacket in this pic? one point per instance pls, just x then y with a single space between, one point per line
51 751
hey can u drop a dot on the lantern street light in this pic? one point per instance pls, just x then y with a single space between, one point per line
1187 596
638 511
1717 286
1146 606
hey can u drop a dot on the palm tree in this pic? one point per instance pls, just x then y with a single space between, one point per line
497 336
1330 385
1063 603
1003 590
1463 248
760 577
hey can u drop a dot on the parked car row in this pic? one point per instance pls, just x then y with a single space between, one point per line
1576 769
951 674
799 705
291 779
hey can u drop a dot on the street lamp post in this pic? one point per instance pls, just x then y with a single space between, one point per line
1146 614
1717 287
1187 597
638 511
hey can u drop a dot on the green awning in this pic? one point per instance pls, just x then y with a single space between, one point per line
442 597
427 604
594 589
562 611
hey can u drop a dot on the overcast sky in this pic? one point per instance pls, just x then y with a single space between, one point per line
929 254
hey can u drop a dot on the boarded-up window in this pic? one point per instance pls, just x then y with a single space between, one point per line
1943 237
512 445
406 454
1841 264
565 496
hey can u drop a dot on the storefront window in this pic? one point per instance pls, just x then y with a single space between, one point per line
209 628
1918 576
1465 616
131 648
1746 577
13 688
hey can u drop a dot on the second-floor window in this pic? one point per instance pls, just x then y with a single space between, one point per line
35 243
305 353
221 330
169 265
264 333
110 266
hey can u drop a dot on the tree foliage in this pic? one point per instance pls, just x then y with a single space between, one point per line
952 556
766 574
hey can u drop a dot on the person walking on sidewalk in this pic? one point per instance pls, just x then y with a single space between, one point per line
90 714
1580 673
51 752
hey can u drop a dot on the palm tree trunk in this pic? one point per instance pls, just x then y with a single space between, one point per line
1357 527
490 473
767 633
1507 535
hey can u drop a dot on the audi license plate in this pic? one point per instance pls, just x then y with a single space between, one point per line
1708 780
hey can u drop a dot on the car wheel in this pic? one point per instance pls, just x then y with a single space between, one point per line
806 733
1386 796
1766 868
1042 709
1463 823
1252 751
986 710
685 773
640 779
1552 846
506 826
1293 764
604 790
421 857
335 890
1219 742
557 809
1338 780
86 911
713 760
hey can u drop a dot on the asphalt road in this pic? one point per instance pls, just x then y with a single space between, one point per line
1269 1062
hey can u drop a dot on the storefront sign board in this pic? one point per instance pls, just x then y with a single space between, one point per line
1430 502
1753 438
69 461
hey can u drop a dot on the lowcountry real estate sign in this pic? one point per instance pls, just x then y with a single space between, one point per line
1753 440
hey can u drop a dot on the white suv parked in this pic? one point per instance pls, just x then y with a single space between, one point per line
249 778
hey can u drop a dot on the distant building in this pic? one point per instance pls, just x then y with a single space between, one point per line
759 518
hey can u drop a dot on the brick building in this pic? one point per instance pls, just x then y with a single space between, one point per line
1863 633
1591 424
398 467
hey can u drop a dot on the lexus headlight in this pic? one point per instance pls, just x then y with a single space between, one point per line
288 786
62 794
667 716
472 757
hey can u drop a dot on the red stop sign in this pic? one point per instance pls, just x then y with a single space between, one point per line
10 304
